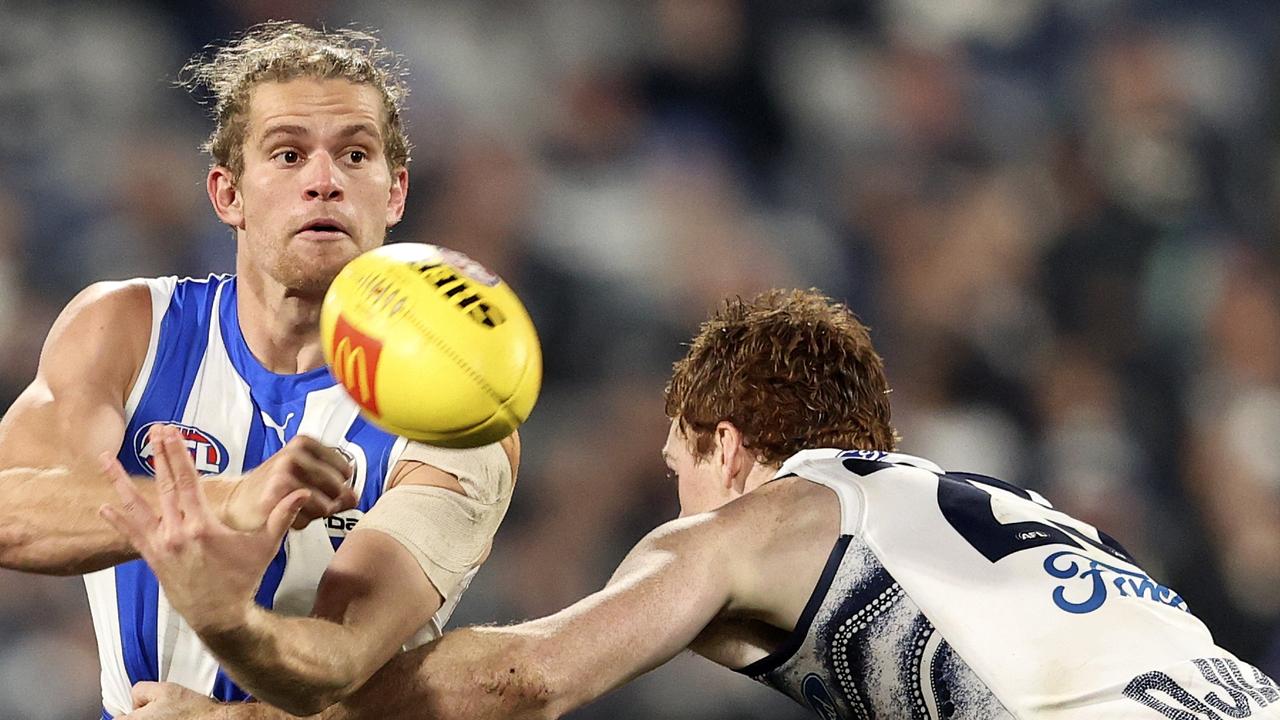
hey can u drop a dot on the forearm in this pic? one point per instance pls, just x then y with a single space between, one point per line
49 520
471 674
301 665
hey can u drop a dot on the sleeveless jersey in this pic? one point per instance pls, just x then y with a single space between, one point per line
953 595
234 414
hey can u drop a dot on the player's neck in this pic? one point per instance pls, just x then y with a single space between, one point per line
759 475
281 329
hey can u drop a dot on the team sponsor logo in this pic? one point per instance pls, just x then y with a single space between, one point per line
1102 580
815 693
342 523
209 454
355 363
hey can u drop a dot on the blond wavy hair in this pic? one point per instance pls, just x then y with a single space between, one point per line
281 51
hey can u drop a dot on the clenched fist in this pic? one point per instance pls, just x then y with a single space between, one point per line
302 464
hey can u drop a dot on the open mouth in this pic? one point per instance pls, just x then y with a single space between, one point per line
324 227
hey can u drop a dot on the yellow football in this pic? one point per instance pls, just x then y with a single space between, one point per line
431 345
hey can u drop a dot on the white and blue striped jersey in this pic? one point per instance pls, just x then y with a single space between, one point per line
954 595
234 413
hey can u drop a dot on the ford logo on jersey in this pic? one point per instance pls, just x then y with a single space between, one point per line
209 454
1099 577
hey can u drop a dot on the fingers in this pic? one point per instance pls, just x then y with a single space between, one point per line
161 440
183 480
325 468
315 507
310 464
111 467
145 693
134 530
133 518
284 512
326 481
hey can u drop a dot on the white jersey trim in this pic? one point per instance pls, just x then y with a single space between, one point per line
101 585
101 588
161 293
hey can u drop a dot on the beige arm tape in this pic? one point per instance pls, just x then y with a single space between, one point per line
448 533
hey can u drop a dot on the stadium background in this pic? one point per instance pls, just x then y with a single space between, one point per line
1058 216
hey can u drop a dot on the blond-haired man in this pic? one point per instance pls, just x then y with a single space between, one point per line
309 170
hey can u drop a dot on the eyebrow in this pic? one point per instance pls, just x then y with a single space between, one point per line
300 131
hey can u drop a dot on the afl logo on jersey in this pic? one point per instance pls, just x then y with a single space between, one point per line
209 454
815 693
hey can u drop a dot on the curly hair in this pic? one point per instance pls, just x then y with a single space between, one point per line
791 370
280 51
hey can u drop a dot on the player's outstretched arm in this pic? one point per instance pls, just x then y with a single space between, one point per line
669 588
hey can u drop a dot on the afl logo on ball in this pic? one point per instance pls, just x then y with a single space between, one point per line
355 363
209 454
469 267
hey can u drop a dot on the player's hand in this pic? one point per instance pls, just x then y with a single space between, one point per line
168 701
209 571
303 463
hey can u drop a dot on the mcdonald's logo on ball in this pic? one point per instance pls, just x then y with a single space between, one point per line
355 363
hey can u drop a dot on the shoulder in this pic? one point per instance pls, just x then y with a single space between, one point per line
776 539
779 512
116 301
756 528
109 322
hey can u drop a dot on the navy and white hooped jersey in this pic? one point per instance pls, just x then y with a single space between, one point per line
234 414
952 595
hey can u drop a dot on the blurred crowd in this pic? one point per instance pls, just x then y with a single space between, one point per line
1059 218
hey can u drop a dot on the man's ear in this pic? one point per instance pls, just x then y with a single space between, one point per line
226 198
735 460
399 192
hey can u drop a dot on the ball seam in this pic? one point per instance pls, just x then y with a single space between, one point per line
455 357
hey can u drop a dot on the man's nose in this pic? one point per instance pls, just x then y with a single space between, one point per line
323 182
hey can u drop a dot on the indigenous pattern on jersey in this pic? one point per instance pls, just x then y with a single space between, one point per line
954 595
234 414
